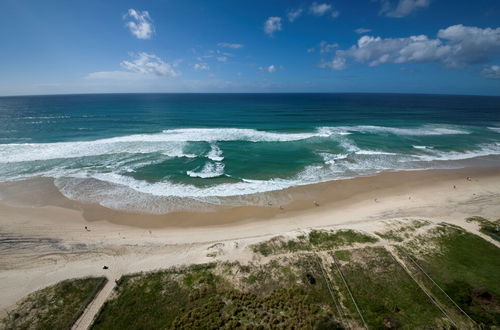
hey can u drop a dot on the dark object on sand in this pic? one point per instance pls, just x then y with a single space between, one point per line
316 203
87 229
468 178
105 267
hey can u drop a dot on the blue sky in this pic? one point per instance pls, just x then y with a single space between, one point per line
400 46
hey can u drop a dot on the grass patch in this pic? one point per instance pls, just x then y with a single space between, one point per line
487 227
465 266
384 292
280 294
402 230
55 307
314 240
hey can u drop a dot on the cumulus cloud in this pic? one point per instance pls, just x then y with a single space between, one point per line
143 66
362 30
292 15
319 9
271 68
201 67
492 72
139 23
272 25
230 45
403 8
455 46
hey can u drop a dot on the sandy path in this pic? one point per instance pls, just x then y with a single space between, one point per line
86 319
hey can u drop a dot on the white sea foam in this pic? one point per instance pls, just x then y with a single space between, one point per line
124 192
228 134
495 129
44 151
417 131
348 145
209 170
215 153
422 147
374 152
481 151
327 131
171 142
331 159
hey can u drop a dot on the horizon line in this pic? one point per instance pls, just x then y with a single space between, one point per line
248 93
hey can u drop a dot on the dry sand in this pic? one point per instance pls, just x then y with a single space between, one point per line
44 240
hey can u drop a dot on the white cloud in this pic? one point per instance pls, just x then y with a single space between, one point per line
335 14
292 15
271 68
362 30
455 46
143 67
230 45
468 44
325 47
337 63
311 50
403 8
149 64
492 72
201 67
140 24
272 25
222 58
319 9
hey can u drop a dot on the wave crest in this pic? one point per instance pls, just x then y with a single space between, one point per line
209 170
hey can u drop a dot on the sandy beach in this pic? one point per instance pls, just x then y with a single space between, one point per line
47 238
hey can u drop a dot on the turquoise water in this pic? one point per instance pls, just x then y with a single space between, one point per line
143 151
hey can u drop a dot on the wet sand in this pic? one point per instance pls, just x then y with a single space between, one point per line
334 194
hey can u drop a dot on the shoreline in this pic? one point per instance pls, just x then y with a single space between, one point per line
42 193
44 244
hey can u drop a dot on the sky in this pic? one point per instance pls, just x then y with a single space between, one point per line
373 46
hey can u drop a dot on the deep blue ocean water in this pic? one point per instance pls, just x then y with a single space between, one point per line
126 150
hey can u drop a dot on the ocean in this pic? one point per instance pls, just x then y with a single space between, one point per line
158 153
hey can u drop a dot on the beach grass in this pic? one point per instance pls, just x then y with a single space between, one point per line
280 294
313 241
387 297
462 264
54 307
487 227
400 231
